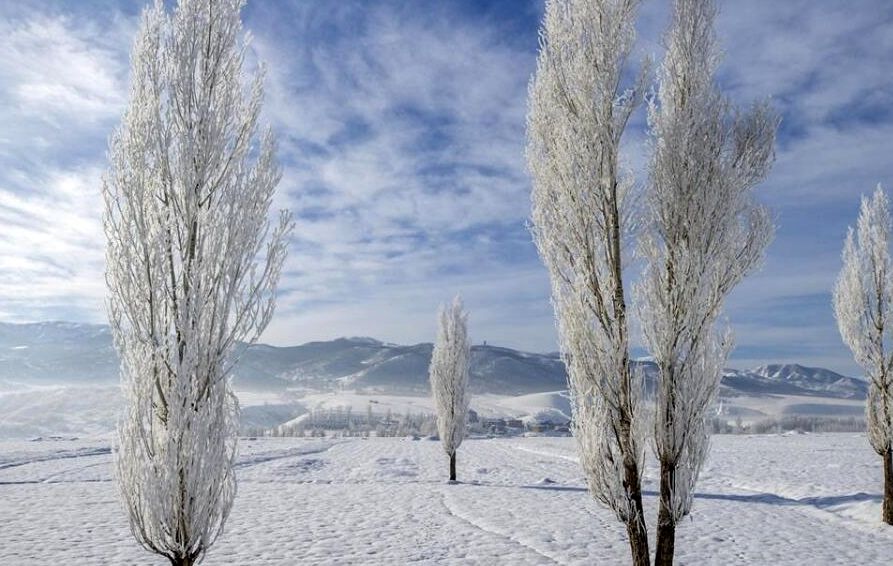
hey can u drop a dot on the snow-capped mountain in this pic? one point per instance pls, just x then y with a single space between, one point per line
62 352
793 379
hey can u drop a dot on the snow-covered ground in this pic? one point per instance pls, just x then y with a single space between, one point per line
553 405
92 411
29 411
789 499
756 408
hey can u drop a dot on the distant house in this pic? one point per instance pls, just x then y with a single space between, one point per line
514 423
472 416
493 426
548 425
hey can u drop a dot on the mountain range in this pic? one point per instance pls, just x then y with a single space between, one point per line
50 353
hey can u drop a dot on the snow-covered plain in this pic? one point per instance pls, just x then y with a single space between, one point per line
92 411
788 499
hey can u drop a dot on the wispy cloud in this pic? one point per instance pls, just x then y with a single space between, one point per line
63 78
404 163
401 127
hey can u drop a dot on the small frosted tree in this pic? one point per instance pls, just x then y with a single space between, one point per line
580 219
705 234
863 305
449 378
192 267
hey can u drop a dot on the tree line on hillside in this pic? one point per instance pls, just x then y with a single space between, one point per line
341 422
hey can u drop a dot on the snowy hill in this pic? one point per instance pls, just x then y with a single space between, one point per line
50 352
793 379
67 353
369 365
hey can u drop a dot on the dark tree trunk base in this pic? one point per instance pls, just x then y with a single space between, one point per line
666 544
666 524
638 542
453 466
887 510
635 529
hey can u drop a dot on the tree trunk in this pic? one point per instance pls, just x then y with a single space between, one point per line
888 488
453 466
666 524
182 561
635 529
638 541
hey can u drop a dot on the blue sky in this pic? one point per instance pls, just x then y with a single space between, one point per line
401 128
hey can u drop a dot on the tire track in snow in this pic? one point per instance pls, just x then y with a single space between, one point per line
573 459
52 477
265 457
525 472
61 455
453 512
46 474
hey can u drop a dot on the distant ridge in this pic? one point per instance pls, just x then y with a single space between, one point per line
65 352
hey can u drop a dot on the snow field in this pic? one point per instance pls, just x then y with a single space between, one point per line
796 499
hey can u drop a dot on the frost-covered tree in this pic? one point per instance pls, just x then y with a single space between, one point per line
863 304
704 234
192 266
449 378
580 219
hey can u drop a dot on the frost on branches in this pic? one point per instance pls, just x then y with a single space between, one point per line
863 305
449 378
705 234
192 266
577 113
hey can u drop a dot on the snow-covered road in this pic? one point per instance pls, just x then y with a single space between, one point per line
801 499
